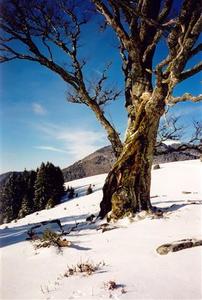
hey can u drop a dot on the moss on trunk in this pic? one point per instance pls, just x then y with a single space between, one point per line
127 187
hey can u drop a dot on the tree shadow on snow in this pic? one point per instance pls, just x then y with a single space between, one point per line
77 247
81 192
70 224
174 206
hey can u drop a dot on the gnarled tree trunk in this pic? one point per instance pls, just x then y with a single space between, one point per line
127 187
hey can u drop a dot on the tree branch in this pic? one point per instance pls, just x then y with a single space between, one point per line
112 21
38 25
15 55
165 10
185 97
190 72
170 129
195 50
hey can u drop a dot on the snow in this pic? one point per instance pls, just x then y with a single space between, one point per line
129 251
169 142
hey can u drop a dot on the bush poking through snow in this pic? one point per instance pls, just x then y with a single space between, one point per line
49 235
90 218
70 193
110 285
85 268
89 190
156 167
51 238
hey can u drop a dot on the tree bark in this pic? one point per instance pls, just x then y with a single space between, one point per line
127 186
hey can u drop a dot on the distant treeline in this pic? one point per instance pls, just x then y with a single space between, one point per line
30 191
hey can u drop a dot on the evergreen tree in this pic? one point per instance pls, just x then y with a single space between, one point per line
25 207
59 184
26 192
11 197
29 182
6 208
49 186
41 195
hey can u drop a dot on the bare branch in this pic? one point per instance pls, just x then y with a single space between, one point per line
162 64
194 143
181 41
152 45
197 134
185 97
170 129
14 54
112 21
137 12
195 50
165 10
190 72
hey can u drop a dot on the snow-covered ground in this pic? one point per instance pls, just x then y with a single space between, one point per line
128 252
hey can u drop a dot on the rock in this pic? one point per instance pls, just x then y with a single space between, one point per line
63 243
90 218
178 245
164 249
156 167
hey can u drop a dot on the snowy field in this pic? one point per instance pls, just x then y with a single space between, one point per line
127 253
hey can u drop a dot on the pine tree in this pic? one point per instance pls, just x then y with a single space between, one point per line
49 186
6 209
59 184
11 197
25 207
41 188
29 182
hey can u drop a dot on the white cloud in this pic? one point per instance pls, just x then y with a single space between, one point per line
75 141
38 109
50 148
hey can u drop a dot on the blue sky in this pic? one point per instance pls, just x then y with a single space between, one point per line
38 124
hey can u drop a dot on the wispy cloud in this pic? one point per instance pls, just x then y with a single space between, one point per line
74 141
38 109
50 148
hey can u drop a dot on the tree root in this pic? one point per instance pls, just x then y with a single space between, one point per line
178 245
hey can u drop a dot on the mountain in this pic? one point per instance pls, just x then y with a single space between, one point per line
96 163
102 160
5 176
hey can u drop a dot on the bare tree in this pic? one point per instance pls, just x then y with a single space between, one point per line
171 129
139 26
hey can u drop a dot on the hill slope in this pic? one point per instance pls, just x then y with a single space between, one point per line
101 161
128 252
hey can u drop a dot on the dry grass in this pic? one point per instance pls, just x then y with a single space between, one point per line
85 268
51 238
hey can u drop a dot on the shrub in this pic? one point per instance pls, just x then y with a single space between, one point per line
71 193
89 190
51 238
85 268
